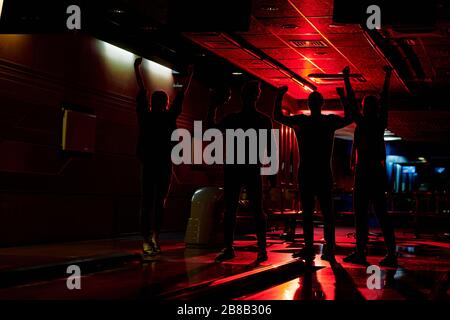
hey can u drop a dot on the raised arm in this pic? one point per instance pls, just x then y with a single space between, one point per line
277 111
138 73
353 157
351 102
384 101
348 116
177 104
141 99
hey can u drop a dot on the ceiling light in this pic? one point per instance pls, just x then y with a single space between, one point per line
270 8
336 77
392 138
116 11
307 88
236 73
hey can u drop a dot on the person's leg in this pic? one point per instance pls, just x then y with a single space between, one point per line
326 206
360 208
380 206
163 178
307 201
254 190
307 205
232 191
361 198
146 214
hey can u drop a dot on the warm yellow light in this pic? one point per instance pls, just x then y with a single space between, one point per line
127 58
117 54
160 70
1 7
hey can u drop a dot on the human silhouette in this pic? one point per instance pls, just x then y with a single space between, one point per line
154 147
315 137
369 157
245 175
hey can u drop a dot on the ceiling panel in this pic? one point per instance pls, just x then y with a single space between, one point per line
298 63
265 41
295 25
283 53
235 54
273 8
314 8
356 39
326 26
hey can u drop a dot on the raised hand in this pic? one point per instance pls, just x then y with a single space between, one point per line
137 62
340 91
346 71
283 90
387 69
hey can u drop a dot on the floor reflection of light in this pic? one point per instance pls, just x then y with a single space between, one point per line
327 280
289 289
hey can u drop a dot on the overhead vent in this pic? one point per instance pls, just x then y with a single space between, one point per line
309 43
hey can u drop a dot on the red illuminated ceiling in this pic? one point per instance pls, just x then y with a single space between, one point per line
276 24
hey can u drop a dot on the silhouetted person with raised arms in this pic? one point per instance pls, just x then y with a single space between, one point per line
315 137
370 170
245 175
154 147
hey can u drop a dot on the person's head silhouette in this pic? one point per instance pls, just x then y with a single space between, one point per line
221 95
315 102
370 106
251 92
159 101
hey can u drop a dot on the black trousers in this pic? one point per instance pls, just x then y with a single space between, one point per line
234 180
155 185
317 183
370 186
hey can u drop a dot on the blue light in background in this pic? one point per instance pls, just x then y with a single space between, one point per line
439 170
409 169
